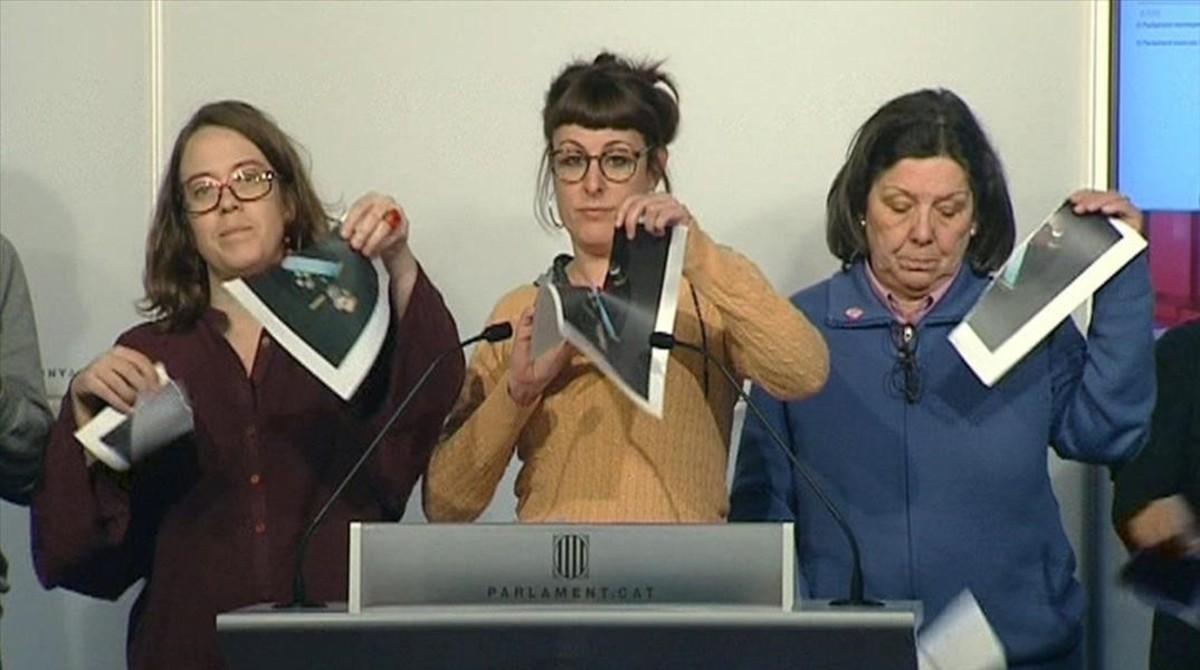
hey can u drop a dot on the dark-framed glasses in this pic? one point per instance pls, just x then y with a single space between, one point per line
571 165
202 194
906 374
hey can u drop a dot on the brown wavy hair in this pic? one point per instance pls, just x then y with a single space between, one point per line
176 276
608 92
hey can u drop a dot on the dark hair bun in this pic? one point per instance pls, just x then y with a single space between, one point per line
614 92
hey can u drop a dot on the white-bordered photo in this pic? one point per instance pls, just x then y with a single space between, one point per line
121 440
612 327
1053 271
328 306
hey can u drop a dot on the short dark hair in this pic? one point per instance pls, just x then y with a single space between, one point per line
609 92
176 277
922 124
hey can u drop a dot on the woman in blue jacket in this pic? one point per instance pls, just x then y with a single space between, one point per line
943 479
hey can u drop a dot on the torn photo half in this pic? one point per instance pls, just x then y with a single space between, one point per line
960 638
612 325
328 306
159 417
1053 271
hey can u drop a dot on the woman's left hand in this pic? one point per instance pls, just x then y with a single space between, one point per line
376 225
656 211
1109 203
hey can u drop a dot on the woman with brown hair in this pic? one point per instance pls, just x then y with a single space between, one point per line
211 521
589 453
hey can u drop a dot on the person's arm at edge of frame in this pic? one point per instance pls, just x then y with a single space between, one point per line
24 412
1148 509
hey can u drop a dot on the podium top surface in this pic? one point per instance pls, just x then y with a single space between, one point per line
809 614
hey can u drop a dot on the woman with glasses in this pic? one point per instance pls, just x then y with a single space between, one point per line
588 453
943 479
211 521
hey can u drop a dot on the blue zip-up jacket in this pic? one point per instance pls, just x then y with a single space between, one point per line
953 491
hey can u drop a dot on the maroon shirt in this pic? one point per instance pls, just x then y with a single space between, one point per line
212 521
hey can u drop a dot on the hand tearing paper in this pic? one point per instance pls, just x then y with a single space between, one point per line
159 417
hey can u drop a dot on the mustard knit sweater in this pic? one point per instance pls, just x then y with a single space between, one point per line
588 453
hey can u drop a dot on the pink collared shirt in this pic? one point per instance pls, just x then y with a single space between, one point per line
889 299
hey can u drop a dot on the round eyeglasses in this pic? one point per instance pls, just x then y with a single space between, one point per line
617 165
202 194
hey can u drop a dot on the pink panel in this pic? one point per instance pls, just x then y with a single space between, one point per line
1171 261
1174 265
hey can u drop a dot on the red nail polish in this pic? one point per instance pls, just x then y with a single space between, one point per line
392 218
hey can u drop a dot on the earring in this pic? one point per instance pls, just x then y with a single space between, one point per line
862 222
291 242
973 231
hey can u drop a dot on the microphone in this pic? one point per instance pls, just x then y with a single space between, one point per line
497 332
906 373
667 341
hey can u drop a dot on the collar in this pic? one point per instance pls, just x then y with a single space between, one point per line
852 302
893 305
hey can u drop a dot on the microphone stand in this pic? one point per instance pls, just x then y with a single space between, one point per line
494 333
856 597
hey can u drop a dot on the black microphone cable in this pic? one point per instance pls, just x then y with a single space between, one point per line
856 599
496 332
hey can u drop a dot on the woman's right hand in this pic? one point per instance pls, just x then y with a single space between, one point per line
528 378
115 378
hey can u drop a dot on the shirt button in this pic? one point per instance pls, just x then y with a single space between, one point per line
255 479
266 342
260 528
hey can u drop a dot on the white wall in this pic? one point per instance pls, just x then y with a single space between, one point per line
74 194
438 104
